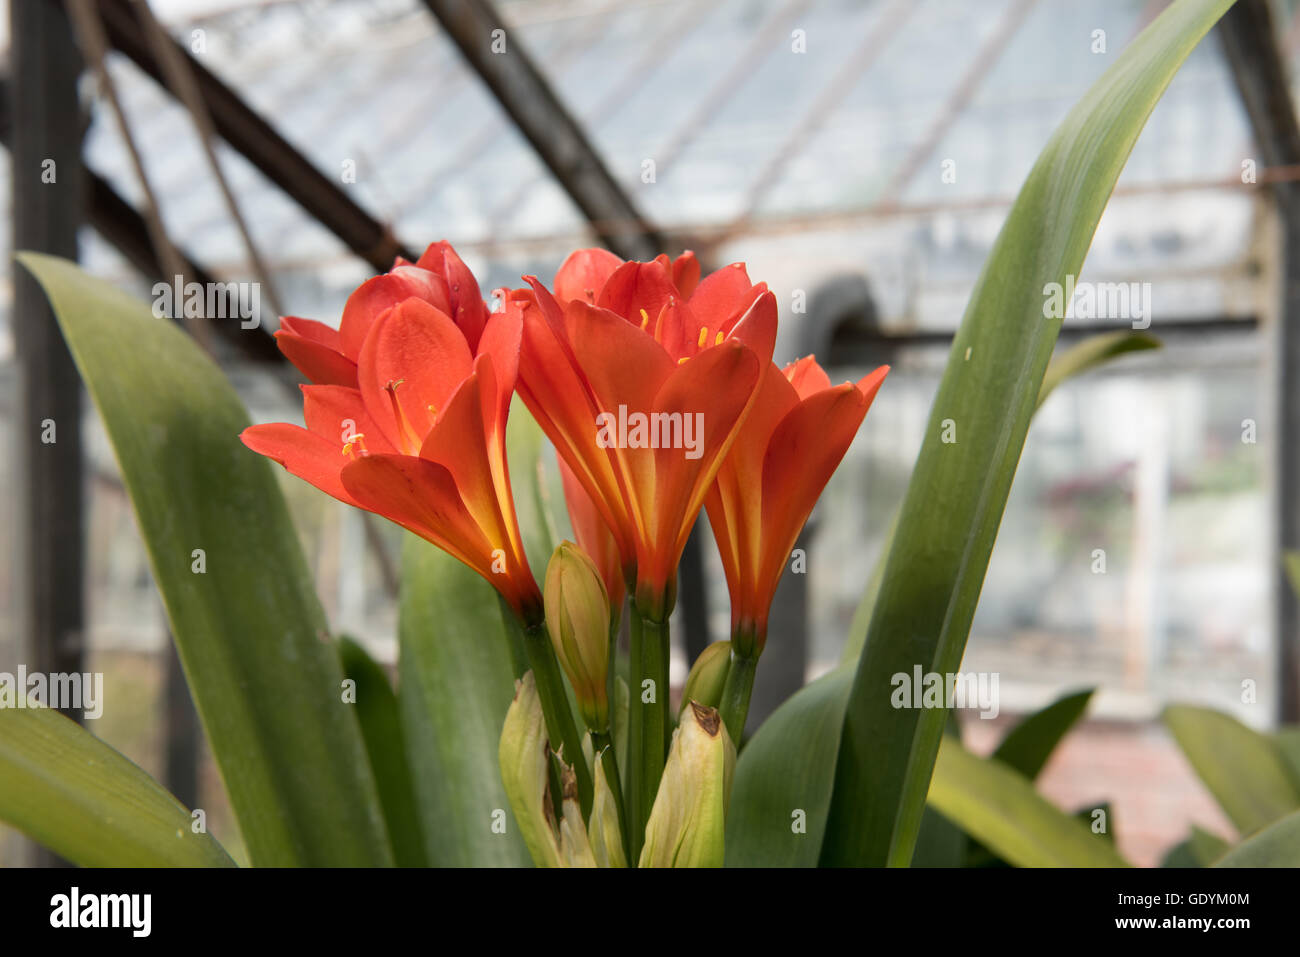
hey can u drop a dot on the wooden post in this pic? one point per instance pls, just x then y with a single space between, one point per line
47 209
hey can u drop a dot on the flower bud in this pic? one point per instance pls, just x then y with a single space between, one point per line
688 820
525 764
577 617
708 675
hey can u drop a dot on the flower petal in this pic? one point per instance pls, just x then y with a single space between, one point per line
412 361
686 273
315 349
375 296
466 306
637 291
422 497
805 449
311 457
338 413
715 388
584 273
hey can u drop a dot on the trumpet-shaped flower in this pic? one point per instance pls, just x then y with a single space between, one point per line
793 439
640 374
408 415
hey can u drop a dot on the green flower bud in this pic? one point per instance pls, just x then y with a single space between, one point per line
577 617
708 675
525 764
606 837
688 820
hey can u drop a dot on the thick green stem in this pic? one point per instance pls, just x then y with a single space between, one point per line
602 747
560 725
734 706
635 719
653 668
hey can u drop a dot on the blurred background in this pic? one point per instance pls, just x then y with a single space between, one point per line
858 156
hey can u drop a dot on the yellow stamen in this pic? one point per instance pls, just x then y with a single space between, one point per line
683 359
358 439
717 340
704 335
645 318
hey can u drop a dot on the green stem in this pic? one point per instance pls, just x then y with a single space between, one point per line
734 706
652 665
560 725
602 746
635 720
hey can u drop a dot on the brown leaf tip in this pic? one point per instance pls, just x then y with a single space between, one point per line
707 718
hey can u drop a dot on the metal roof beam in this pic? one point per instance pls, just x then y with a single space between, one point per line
559 140
240 126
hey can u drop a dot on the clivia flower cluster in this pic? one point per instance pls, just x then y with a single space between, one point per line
406 416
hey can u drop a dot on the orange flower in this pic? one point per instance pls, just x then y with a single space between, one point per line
328 356
794 437
640 375
410 419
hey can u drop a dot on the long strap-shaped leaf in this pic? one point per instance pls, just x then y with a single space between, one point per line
456 679
999 806
248 625
68 790
958 490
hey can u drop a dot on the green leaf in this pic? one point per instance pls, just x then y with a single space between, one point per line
1026 749
1243 769
1201 849
786 767
1288 742
71 792
249 628
1030 743
1292 561
988 393
1278 845
1090 353
1000 808
456 670
381 727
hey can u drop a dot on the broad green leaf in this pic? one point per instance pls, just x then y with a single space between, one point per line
456 670
71 792
1278 845
247 623
1243 769
1090 353
987 396
781 794
1001 809
1030 743
381 727
1201 849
